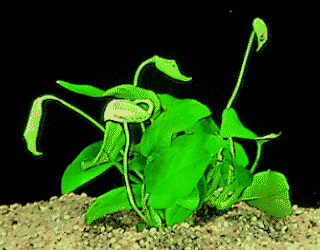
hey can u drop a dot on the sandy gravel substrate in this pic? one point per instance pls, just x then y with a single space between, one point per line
59 224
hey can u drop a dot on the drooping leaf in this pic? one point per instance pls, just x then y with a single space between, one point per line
170 68
261 31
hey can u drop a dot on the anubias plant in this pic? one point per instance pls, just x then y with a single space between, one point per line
170 175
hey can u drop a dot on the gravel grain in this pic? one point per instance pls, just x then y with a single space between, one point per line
59 224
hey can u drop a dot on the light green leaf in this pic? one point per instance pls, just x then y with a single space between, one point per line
261 31
132 93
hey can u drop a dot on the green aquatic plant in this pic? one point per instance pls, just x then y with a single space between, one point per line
183 159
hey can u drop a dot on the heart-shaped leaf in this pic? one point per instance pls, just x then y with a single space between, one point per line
231 126
269 192
82 89
170 68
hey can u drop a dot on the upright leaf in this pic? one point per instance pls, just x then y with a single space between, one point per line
87 90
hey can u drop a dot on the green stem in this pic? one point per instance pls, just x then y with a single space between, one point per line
259 143
135 81
125 162
241 72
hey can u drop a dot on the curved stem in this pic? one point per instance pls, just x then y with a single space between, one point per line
75 109
241 71
259 143
125 162
135 81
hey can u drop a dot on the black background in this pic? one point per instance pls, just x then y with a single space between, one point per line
103 48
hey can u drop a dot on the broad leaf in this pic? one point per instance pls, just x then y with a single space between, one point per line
269 192
177 170
177 118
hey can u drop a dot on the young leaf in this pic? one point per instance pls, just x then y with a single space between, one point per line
170 68
261 31
232 127
82 89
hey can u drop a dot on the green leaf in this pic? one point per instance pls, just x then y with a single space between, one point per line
167 100
74 176
206 126
33 125
177 214
261 31
241 157
170 68
179 117
203 189
232 127
115 200
115 140
191 201
269 192
82 89
177 170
